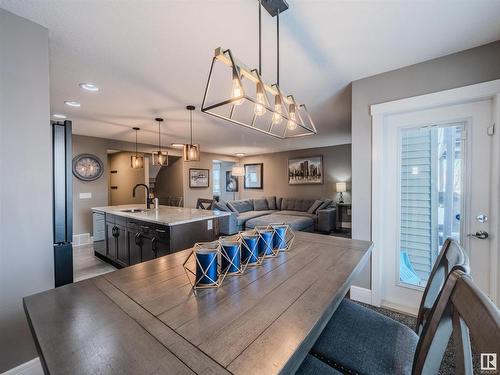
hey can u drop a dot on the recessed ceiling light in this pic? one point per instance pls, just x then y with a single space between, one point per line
177 144
240 154
89 86
72 103
58 115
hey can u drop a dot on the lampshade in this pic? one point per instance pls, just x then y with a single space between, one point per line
238 171
191 152
160 158
137 161
341 187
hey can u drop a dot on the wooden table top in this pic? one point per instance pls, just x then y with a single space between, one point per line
145 319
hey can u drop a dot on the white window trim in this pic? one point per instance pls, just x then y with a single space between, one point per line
480 91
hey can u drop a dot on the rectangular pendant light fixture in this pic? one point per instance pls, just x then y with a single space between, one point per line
136 161
238 94
191 151
160 157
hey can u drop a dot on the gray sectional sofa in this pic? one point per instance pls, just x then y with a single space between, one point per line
307 215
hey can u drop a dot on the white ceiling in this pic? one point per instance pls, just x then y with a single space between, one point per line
152 58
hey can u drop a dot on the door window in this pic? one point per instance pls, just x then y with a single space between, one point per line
431 196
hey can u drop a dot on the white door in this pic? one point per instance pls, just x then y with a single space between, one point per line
437 172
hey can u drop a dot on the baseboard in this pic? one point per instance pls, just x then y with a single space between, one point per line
399 308
33 367
361 294
82 239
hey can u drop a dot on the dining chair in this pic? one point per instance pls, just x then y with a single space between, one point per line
204 204
314 366
462 310
360 340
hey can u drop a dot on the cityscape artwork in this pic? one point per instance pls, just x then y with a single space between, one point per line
303 171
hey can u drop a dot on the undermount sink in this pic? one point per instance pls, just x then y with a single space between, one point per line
134 210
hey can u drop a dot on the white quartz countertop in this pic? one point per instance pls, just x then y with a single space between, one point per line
165 215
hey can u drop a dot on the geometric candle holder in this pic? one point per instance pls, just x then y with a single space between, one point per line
207 271
265 243
209 263
249 250
231 255
283 236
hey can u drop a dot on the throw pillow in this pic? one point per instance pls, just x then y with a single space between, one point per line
325 204
314 206
241 206
260 204
278 203
271 203
221 206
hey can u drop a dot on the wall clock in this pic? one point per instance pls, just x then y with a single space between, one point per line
87 167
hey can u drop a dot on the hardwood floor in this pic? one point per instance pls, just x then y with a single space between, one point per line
87 265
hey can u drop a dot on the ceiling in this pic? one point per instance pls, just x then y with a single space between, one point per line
151 58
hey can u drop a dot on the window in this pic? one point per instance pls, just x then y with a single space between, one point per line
216 178
431 198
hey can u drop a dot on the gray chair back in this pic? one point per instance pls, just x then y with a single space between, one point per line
460 308
451 256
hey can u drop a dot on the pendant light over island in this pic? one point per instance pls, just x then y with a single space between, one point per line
191 151
137 161
160 157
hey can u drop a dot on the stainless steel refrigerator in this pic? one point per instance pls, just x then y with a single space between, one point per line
63 202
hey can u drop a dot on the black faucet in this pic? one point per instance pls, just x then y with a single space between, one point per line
148 201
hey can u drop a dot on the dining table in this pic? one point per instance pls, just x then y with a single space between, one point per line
147 319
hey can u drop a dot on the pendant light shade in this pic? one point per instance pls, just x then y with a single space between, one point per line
238 170
136 161
191 151
160 157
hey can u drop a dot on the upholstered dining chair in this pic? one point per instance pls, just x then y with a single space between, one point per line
360 340
460 309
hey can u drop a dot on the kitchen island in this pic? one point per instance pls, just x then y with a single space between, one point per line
130 234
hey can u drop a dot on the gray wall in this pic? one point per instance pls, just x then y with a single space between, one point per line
460 69
125 179
169 179
82 218
336 168
26 257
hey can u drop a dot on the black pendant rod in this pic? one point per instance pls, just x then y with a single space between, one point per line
260 40
278 47
191 125
159 138
191 108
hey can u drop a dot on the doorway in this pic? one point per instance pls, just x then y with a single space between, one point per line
438 170
225 185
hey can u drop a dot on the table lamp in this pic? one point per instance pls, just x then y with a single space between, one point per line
341 188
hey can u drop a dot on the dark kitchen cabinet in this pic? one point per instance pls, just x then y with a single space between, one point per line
121 246
130 241
135 243
110 241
